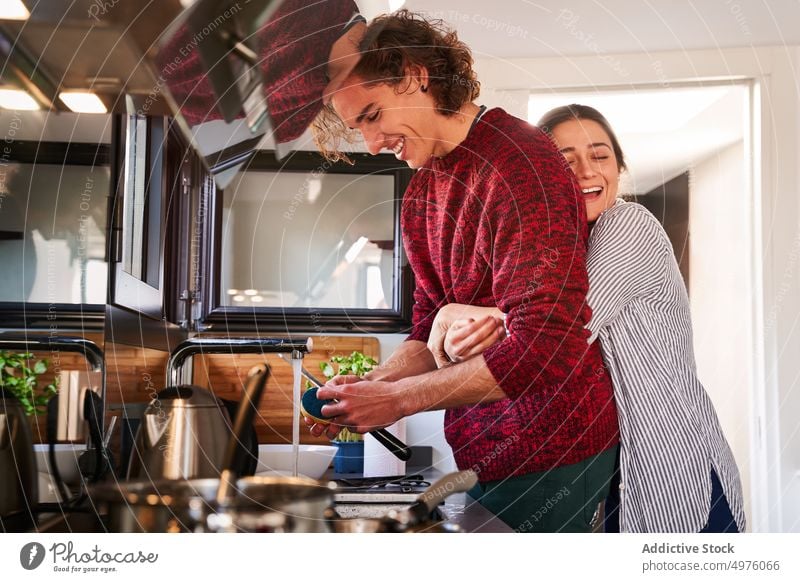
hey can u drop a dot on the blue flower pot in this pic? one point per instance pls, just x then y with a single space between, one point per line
349 457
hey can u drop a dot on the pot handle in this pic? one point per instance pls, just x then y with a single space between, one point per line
256 379
395 446
247 460
428 500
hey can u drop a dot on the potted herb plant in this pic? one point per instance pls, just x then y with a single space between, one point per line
17 376
350 446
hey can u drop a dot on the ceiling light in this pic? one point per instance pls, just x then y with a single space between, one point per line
250 292
238 298
18 100
314 189
13 10
82 102
256 299
233 291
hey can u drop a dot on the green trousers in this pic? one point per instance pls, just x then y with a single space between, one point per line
563 499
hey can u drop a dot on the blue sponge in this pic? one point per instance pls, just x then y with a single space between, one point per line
311 406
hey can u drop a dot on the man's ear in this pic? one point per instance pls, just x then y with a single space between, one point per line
417 79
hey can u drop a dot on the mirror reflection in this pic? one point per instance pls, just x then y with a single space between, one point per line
53 208
247 76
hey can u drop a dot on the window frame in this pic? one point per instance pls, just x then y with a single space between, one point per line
129 291
215 316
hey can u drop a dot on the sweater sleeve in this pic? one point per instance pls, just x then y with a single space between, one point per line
422 316
538 263
627 254
414 224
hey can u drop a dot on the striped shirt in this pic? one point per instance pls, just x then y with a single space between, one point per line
670 436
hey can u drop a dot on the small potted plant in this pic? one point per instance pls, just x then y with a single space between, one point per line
22 381
350 446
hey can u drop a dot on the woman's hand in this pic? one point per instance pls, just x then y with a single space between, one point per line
469 337
472 339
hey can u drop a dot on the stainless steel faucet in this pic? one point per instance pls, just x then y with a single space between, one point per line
223 345
90 350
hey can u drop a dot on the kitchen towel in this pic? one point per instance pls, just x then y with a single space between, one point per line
378 460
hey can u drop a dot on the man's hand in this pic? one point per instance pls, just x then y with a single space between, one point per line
329 429
412 358
365 405
361 405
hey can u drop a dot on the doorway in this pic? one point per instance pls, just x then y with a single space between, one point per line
689 155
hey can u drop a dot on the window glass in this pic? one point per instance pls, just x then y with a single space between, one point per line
297 239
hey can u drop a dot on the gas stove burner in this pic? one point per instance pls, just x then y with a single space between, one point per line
406 483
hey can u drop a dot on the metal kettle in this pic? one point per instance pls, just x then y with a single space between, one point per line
183 434
18 478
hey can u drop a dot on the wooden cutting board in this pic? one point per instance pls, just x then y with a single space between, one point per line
225 376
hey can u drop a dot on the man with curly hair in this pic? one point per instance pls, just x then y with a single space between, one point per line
492 217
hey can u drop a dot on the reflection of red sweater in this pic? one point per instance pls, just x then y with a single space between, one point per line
294 47
500 221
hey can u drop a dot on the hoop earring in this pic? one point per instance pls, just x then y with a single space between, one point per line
423 88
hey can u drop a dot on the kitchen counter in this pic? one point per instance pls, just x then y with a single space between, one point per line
471 516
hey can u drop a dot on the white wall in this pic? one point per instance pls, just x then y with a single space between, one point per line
721 295
781 235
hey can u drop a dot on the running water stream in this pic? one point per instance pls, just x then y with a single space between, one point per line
297 365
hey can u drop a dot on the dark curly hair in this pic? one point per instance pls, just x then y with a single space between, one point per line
394 45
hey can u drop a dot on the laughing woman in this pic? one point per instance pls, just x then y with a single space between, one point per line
676 470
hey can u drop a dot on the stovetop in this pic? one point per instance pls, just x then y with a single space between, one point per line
398 489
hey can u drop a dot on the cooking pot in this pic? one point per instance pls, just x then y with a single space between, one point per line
260 504
255 504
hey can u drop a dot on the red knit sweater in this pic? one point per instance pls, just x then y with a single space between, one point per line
501 221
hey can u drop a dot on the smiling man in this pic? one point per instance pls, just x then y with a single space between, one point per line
493 216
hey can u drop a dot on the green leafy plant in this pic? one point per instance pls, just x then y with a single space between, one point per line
23 381
357 364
